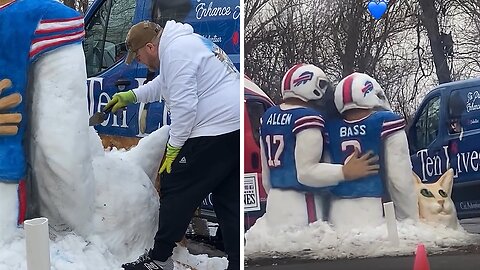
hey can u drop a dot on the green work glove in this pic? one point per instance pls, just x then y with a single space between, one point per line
170 156
120 100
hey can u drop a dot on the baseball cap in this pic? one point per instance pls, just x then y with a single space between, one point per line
139 35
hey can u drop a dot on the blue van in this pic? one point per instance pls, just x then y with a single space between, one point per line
445 133
107 23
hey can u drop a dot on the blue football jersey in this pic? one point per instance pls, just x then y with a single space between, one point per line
278 133
30 28
367 135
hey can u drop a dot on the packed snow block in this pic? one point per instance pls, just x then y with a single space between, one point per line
8 210
96 146
389 210
37 244
126 206
149 151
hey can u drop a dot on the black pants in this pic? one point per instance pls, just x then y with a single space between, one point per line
204 165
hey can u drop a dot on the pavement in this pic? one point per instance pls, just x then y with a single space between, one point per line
471 225
469 261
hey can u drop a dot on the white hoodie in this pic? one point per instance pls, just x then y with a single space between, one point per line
201 92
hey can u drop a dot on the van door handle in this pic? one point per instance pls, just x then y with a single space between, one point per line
255 161
121 84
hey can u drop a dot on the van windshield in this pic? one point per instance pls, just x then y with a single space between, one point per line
426 128
104 43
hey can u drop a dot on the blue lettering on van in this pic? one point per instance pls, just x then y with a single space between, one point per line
126 122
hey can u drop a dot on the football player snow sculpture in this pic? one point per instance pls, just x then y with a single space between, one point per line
290 135
369 124
44 123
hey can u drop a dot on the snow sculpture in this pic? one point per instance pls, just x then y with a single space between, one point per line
369 124
76 183
291 148
435 204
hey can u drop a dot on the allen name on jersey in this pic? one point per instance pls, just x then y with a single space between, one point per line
279 119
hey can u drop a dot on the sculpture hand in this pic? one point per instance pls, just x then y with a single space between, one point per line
9 121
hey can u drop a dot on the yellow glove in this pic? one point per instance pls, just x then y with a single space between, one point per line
9 121
170 156
120 100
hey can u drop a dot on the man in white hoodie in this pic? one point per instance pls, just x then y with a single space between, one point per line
201 89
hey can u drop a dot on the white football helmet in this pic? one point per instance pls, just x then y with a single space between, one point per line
359 91
304 81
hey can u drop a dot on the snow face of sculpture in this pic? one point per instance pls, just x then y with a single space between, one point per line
74 182
434 202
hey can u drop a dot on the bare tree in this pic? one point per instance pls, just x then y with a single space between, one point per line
79 5
406 50
429 18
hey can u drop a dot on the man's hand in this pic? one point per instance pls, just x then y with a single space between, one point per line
357 167
170 156
121 100
9 121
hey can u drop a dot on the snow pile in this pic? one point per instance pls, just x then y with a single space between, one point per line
320 241
72 252
124 220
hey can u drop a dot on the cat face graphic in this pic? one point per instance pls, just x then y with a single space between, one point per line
434 200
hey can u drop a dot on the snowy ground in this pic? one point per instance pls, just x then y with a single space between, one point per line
69 251
72 252
320 241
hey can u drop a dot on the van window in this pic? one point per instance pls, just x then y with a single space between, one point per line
427 124
464 110
456 109
104 43
255 112
165 10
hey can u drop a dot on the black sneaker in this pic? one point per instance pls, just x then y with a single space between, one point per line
144 262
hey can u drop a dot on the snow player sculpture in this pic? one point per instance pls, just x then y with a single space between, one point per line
369 124
44 123
291 134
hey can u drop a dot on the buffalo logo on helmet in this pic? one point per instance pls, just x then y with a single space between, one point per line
367 88
303 78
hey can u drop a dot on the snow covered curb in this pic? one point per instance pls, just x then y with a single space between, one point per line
320 241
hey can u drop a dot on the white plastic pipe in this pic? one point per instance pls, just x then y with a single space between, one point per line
391 223
38 245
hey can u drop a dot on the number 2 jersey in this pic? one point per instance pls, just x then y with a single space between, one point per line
30 29
278 134
367 134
